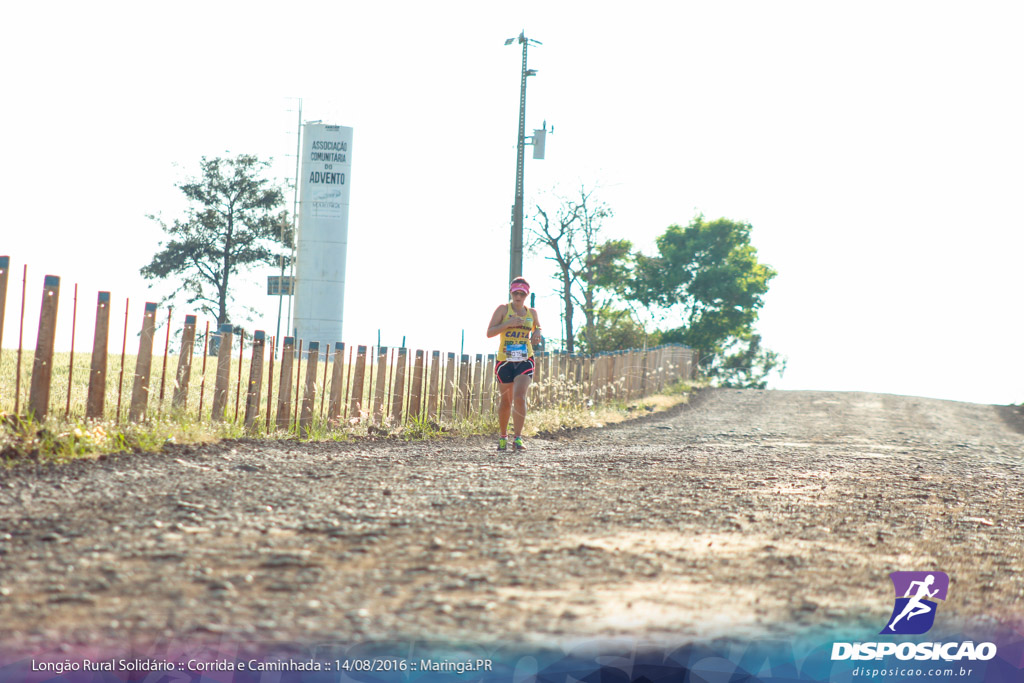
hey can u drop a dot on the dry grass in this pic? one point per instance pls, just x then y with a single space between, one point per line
557 403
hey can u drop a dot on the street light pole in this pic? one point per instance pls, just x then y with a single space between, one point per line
516 251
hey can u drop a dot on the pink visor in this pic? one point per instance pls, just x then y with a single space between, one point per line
520 287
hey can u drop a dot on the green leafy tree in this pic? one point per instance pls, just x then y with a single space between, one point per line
234 221
746 364
708 275
616 329
604 269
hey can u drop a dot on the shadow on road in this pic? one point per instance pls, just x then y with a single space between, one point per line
1013 416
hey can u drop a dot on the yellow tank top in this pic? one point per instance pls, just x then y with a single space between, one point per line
514 343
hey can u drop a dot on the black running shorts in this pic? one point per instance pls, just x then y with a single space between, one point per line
507 371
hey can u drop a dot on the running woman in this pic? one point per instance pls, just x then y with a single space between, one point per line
518 329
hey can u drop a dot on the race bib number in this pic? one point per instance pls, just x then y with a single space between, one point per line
516 352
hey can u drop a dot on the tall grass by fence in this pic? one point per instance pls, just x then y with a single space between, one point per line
293 385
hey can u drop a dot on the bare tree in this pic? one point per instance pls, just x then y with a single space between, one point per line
571 240
558 239
590 214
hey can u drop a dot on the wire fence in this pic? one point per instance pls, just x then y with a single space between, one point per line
269 385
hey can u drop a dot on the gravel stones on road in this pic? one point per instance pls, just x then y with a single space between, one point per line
746 513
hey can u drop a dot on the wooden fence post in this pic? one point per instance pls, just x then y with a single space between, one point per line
379 390
238 385
252 394
570 378
368 402
656 384
652 369
337 377
609 376
435 379
398 396
614 366
71 360
606 391
477 402
270 382
488 405
569 362
631 373
465 386
298 382
42 366
588 379
554 382
163 372
559 368
348 382
222 380
604 372
623 374
449 388
577 372
309 395
202 370
424 385
21 331
184 373
387 387
553 379
551 370
5 267
540 379
565 372
644 365
358 381
284 388
416 392
143 364
98 367
627 374
596 378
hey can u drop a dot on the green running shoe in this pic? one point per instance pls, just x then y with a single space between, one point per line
517 444
502 443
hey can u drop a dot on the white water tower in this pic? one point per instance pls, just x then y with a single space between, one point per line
322 241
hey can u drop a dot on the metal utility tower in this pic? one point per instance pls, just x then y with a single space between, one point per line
516 255
295 209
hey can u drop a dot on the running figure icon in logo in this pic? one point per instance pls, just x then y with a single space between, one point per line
914 611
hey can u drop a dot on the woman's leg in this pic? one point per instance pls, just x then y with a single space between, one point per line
504 407
520 387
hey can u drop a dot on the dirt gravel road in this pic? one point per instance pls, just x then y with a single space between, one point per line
744 514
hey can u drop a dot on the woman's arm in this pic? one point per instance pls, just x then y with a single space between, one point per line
535 338
496 327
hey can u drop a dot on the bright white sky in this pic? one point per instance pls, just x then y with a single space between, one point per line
874 146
